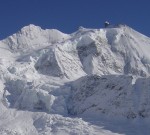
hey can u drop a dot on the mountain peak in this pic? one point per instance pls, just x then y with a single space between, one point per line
46 75
34 37
30 28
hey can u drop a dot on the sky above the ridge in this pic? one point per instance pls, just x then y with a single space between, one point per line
68 15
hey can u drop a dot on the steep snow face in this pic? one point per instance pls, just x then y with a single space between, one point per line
114 51
132 47
110 96
59 63
106 95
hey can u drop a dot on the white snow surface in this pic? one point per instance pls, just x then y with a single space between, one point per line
90 82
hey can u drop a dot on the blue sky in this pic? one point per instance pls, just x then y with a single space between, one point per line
68 15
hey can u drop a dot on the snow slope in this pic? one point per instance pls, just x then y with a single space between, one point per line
93 81
110 95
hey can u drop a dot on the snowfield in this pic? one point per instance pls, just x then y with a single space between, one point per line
90 82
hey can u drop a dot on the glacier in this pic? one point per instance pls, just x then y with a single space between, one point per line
90 82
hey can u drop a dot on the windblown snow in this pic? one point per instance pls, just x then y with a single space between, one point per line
90 82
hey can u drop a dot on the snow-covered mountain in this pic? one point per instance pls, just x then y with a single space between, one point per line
56 83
